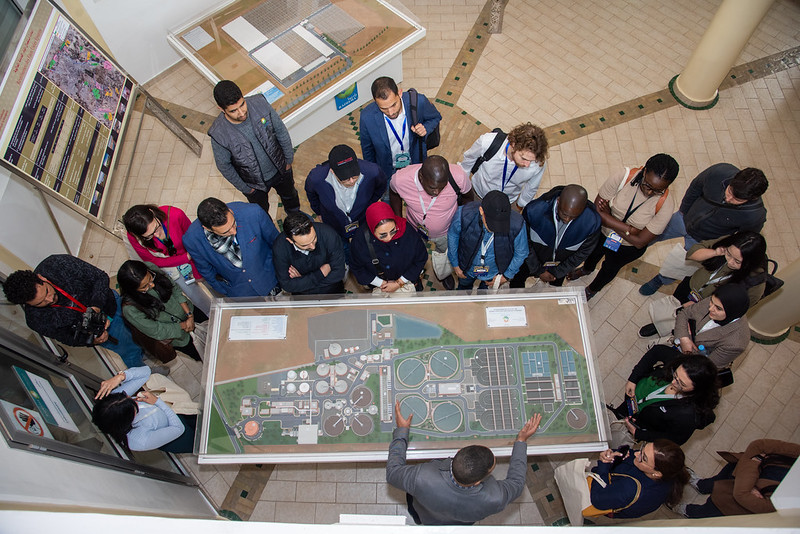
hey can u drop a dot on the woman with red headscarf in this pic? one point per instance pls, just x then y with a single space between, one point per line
398 249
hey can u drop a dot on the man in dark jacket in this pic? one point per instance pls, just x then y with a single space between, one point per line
486 240
340 191
252 147
59 297
459 490
720 201
563 230
308 257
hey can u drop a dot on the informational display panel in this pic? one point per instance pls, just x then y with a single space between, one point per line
63 106
291 50
316 381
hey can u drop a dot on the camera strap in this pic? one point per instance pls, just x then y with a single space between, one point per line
78 306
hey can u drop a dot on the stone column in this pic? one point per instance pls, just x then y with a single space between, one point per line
772 317
726 36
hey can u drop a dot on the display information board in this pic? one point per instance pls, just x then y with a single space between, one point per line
290 50
63 105
293 381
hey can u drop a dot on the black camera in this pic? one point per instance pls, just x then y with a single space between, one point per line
92 325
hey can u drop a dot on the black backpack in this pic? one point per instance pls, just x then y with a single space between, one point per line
433 138
497 142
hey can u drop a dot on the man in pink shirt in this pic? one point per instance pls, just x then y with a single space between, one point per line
430 191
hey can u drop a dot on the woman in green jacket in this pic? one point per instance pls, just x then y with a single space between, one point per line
156 306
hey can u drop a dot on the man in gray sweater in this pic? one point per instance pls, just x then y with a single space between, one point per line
458 490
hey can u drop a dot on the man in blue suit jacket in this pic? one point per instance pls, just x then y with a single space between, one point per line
231 246
387 136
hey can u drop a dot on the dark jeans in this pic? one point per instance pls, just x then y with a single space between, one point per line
614 261
683 291
705 486
185 442
189 349
523 274
284 186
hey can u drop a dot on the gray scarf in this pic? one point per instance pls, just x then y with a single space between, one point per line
227 246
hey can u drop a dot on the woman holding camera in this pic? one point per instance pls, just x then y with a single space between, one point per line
156 306
142 422
669 401
637 482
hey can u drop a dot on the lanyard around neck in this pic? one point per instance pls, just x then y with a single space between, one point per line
503 182
396 136
78 306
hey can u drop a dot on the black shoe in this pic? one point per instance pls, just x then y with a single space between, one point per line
418 284
448 283
648 330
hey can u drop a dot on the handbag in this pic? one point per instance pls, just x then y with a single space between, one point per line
574 488
662 314
441 265
160 349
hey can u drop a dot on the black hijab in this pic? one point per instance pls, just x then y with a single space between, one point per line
734 300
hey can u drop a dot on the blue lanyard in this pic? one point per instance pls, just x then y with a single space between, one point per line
399 139
505 169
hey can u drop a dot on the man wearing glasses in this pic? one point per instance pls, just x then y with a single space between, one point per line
231 245
340 191
720 201
308 256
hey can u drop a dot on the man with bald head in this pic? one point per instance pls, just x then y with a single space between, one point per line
563 228
431 199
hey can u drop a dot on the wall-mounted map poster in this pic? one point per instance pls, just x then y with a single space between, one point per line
298 381
290 50
63 105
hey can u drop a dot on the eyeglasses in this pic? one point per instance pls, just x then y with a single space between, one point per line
146 284
348 180
678 382
653 191
153 233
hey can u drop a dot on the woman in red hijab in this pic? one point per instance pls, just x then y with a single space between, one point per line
398 248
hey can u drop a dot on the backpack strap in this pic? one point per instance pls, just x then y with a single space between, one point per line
378 267
413 104
497 142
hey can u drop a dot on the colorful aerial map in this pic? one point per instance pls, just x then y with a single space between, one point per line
474 377
68 113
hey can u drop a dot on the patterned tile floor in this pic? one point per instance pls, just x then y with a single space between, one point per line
561 64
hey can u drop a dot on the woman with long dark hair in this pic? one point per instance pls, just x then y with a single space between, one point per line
638 482
740 258
156 306
156 235
670 396
140 421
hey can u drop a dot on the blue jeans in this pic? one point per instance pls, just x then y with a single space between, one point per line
130 352
675 228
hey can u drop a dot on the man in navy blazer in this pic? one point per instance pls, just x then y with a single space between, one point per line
231 246
387 136
341 190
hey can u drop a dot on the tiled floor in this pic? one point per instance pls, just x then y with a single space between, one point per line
556 60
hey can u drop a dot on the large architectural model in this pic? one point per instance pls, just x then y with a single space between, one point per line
321 379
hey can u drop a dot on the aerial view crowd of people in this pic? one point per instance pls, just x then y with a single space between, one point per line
486 224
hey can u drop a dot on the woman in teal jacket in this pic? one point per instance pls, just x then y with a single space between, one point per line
156 306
